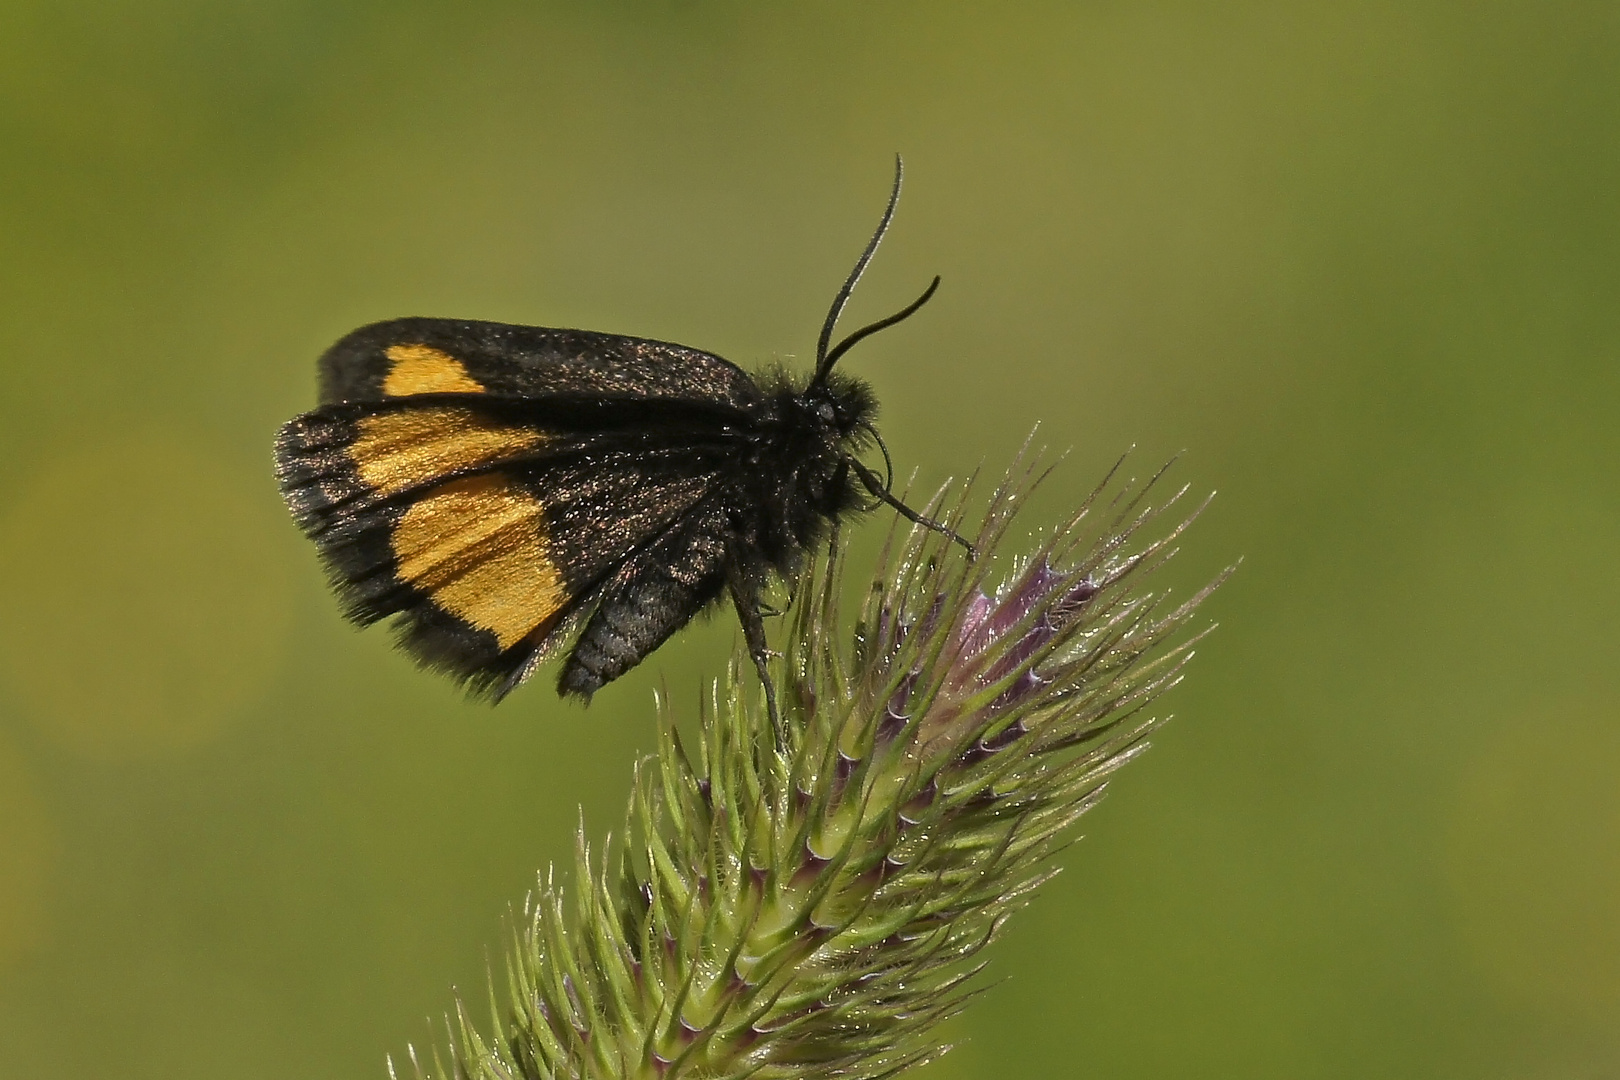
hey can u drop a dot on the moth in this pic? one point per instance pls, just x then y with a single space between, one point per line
499 491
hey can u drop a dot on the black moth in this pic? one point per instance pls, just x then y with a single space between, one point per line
492 487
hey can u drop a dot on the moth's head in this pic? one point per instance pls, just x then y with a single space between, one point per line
841 408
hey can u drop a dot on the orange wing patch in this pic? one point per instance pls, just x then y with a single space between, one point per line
479 547
422 369
394 452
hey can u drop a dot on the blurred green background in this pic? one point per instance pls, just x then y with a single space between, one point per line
1361 260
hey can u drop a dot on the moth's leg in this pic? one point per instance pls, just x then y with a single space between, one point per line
654 595
745 595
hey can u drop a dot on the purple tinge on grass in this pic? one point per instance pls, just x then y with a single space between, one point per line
1050 596
1035 606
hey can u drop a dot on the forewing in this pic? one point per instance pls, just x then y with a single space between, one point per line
408 357
481 537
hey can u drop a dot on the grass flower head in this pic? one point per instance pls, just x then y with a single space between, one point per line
813 901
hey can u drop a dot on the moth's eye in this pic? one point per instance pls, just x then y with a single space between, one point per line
825 411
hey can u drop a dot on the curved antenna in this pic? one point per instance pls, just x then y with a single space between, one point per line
822 363
867 331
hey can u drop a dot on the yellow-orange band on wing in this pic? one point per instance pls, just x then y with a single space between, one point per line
479 549
422 369
397 451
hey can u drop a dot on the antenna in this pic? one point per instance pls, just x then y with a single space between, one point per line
825 356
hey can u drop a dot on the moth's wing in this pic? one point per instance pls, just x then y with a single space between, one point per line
481 539
477 482
651 595
407 357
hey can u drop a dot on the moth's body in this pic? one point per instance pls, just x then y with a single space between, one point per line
779 482
639 476
493 486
